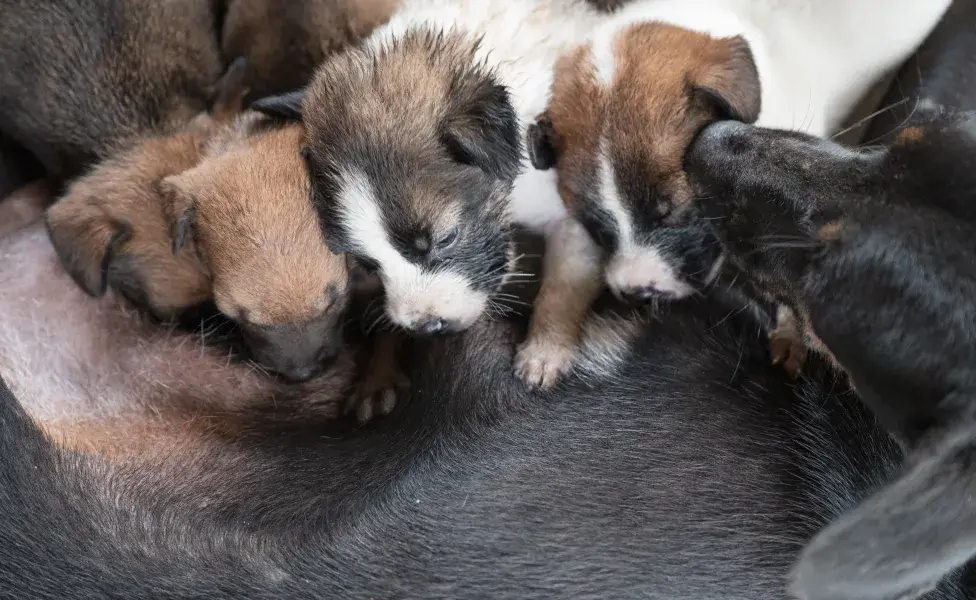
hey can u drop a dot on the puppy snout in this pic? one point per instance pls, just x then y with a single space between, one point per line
642 295
301 373
432 325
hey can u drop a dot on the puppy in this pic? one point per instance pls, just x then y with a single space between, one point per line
415 145
111 229
284 40
937 75
873 249
626 104
78 76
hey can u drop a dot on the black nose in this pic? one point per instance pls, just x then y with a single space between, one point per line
431 325
642 295
300 374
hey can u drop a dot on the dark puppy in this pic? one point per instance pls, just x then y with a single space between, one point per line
939 74
76 76
874 250
284 40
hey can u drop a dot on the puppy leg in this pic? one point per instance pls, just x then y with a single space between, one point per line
382 380
786 342
570 283
899 543
25 206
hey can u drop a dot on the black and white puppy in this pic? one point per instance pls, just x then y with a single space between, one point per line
874 250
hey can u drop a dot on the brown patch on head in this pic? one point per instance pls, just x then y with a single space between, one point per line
111 229
285 41
832 231
909 135
247 205
668 82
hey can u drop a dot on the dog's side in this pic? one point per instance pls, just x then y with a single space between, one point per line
873 248
285 41
937 75
697 472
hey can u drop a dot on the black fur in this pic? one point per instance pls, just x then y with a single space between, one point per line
287 107
939 74
874 247
698 471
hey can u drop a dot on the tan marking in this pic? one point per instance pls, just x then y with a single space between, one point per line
24 206
832 231
909 135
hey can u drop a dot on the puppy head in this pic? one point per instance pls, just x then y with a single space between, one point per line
111 229
413 150
875 247
246 207
623 111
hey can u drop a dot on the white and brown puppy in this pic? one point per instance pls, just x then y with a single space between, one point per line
415 146
626 104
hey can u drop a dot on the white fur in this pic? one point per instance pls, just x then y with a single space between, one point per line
816 59
413 294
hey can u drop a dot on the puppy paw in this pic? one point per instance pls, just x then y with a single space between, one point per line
541 362
377 396
788 349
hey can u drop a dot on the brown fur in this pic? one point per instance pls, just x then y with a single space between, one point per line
25 206
112 227
910 135
285 40
657 102
256 229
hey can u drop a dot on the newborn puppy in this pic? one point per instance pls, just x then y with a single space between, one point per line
873 249
626 104
78 76
244 213
285 40
415 146
112 228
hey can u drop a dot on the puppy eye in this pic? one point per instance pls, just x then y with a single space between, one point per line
448 240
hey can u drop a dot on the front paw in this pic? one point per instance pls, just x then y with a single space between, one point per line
376 396
541 362
788 349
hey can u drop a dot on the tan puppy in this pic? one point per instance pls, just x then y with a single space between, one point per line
111 229
284 40
246 210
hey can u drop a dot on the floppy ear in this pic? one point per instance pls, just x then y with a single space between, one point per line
181 190
481 128
902 541
731 85
287 107
86 242
544 145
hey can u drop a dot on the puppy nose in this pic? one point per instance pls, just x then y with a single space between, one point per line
642 295
300 374
431 325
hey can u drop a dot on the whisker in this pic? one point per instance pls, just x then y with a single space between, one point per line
859 122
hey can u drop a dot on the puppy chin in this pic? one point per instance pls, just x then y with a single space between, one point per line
437 303
644 273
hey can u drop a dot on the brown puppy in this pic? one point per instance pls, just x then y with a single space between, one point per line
78 76
111 229
284 40
245 209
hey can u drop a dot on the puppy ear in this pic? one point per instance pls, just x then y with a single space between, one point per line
230 90
544 145
182 192
902 541
731 85
481 128
287 107
86 242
